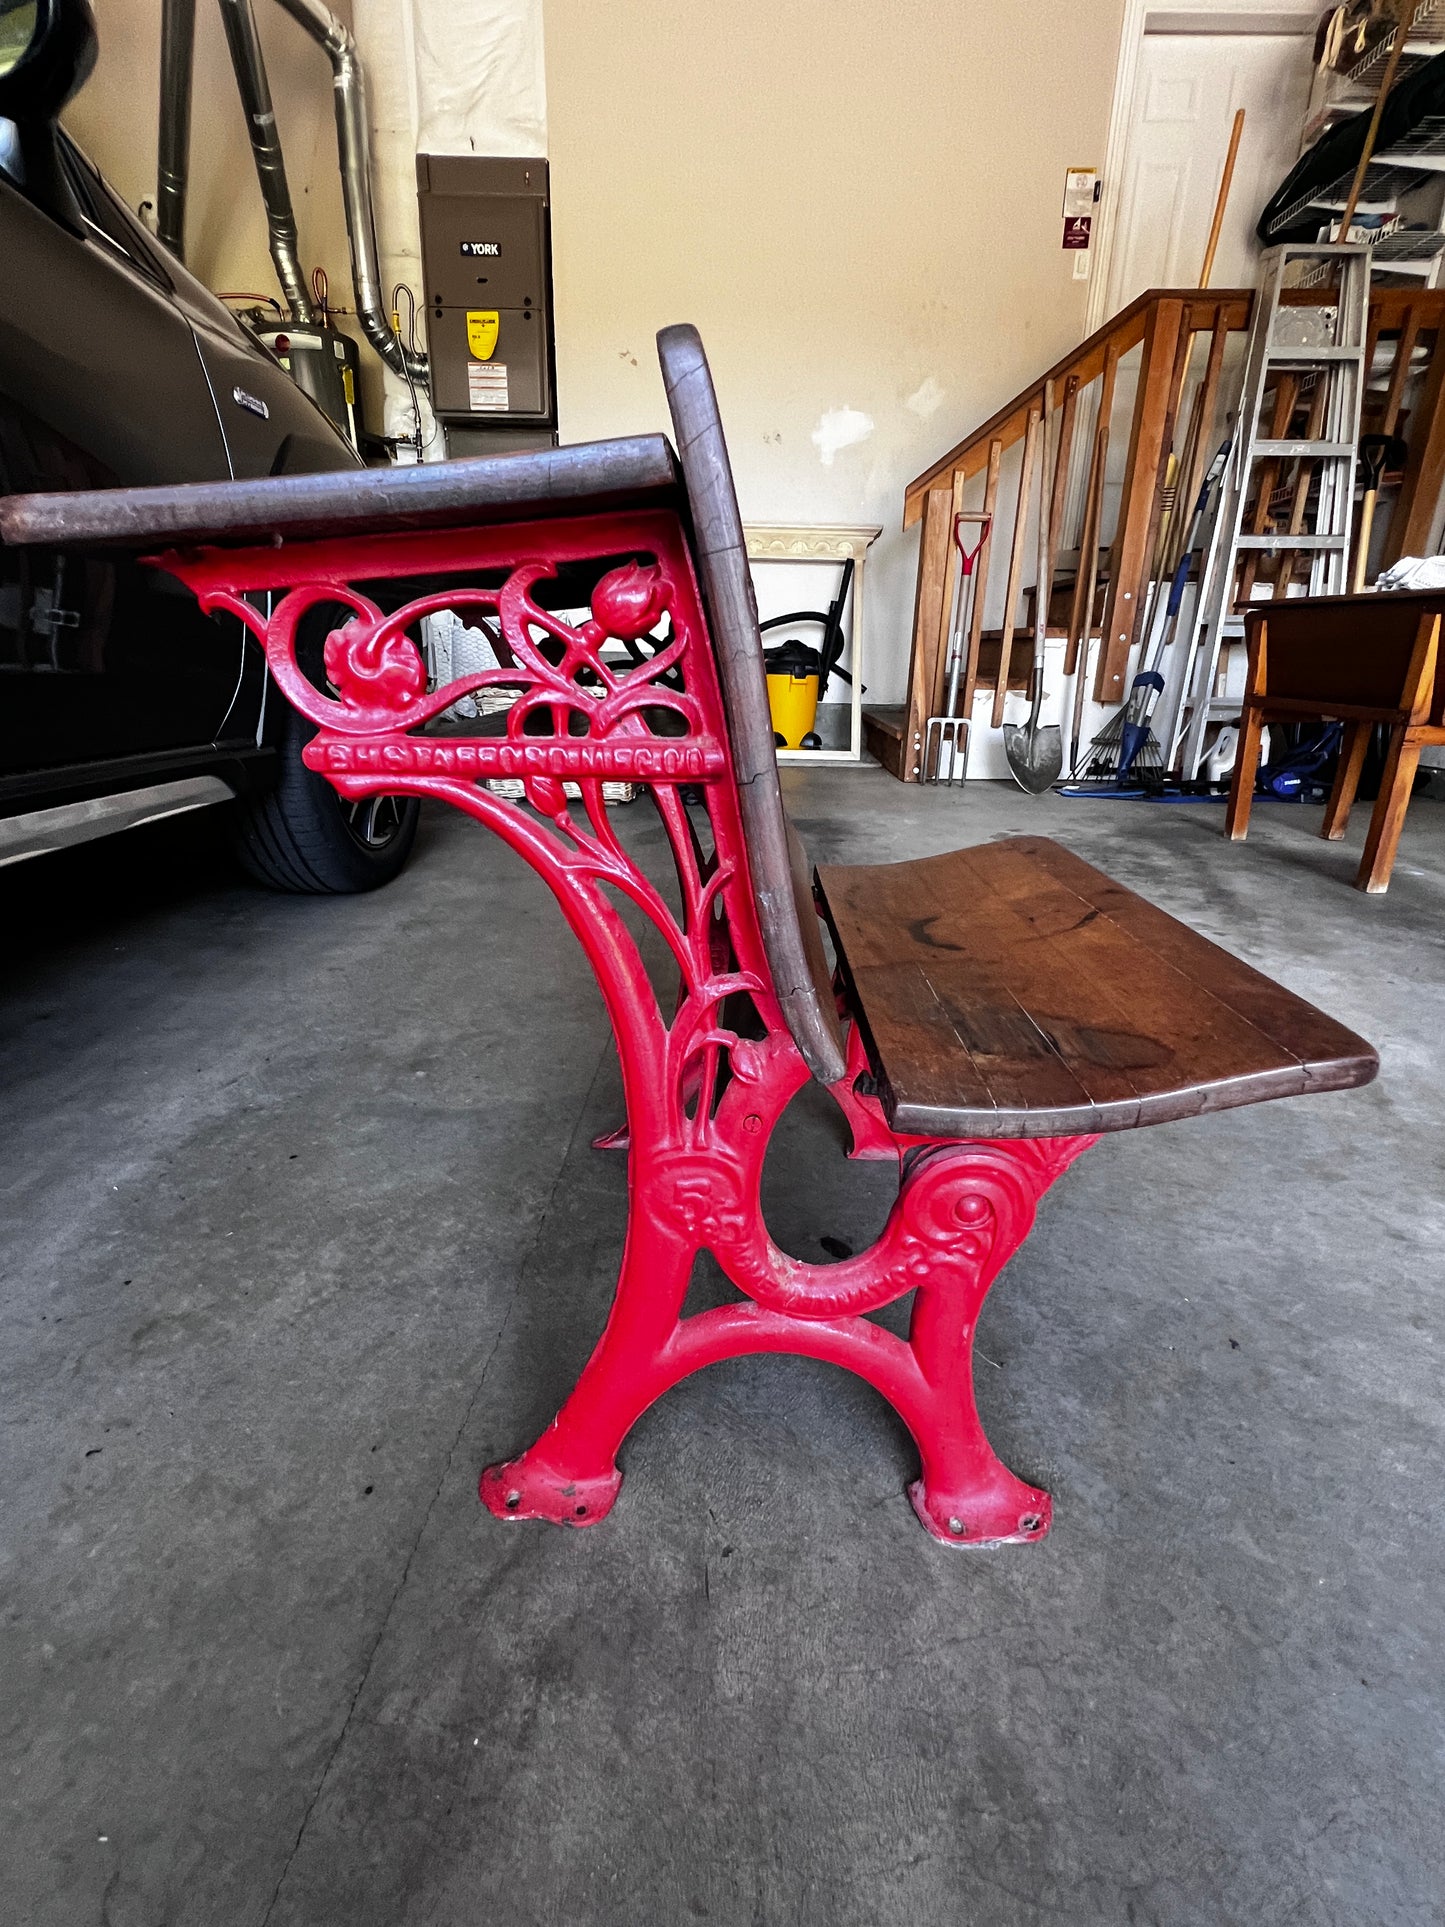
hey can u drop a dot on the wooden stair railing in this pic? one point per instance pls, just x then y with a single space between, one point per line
1162 325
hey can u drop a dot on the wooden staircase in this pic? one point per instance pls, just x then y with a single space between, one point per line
1176 408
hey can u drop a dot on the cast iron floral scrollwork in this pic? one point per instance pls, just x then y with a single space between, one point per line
380 679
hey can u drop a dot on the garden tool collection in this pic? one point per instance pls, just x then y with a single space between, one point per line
1126 748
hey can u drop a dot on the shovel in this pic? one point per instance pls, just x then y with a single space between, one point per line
945 741
1377 453
1036 755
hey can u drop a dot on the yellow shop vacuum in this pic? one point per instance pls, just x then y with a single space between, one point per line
798 675
794 671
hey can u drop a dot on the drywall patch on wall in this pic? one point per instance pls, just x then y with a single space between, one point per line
445 77
840 428
480 77
927 398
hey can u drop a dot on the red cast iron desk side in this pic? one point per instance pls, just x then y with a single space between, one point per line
702 1099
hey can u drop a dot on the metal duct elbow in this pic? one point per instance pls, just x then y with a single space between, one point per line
250 70
353 147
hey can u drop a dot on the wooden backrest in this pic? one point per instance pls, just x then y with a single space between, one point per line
1369 652
781 873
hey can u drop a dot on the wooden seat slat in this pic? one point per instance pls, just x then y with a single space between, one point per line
1047 1050
1012 990
1115 983
1312 1037
1070 1047
991 979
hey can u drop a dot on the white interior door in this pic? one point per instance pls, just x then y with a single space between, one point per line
1186 89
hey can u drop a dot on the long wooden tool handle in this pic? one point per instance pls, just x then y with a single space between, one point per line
1043 554
1090 579
1067 416
1387 81
1079 617
1015 568
1222 198
1188 453
1091 582
1204 397
1362 552
1102 458
980 581
1102 422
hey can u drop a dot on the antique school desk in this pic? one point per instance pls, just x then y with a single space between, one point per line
984 1016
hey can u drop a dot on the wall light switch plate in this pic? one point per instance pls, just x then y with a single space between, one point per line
1081 265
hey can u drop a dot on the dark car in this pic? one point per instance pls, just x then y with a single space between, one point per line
119 700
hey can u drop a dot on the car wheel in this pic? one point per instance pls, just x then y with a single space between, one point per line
301 836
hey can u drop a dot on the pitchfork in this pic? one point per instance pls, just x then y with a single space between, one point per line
945 740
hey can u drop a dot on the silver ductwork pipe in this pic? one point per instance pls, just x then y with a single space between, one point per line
255 90
348 83
173 142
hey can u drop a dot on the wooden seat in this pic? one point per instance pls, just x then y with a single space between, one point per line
1013 990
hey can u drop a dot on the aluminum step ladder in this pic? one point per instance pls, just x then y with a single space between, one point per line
1309 353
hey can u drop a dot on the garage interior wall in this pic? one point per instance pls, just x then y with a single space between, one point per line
114 120
859 205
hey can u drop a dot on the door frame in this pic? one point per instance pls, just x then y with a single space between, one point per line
1126 74
1135 24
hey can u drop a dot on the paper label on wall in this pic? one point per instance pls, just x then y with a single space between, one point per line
487 388
1079 191
482 326
1077 230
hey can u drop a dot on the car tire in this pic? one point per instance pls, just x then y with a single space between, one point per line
302 837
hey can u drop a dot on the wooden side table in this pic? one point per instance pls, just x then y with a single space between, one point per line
823 542
1357 659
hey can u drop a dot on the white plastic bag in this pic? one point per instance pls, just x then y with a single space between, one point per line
1414 572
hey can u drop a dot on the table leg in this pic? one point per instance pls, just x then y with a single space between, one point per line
1389 816
1347 780
1246 767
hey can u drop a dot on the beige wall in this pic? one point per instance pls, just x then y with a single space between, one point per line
858 203
114 119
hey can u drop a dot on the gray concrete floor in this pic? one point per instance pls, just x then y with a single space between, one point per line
301 1227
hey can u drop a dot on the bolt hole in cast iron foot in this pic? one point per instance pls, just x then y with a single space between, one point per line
1009 1517
518 1491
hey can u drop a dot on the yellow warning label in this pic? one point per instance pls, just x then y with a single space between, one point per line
482 326
348 386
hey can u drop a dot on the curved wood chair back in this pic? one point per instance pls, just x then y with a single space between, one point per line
781 873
